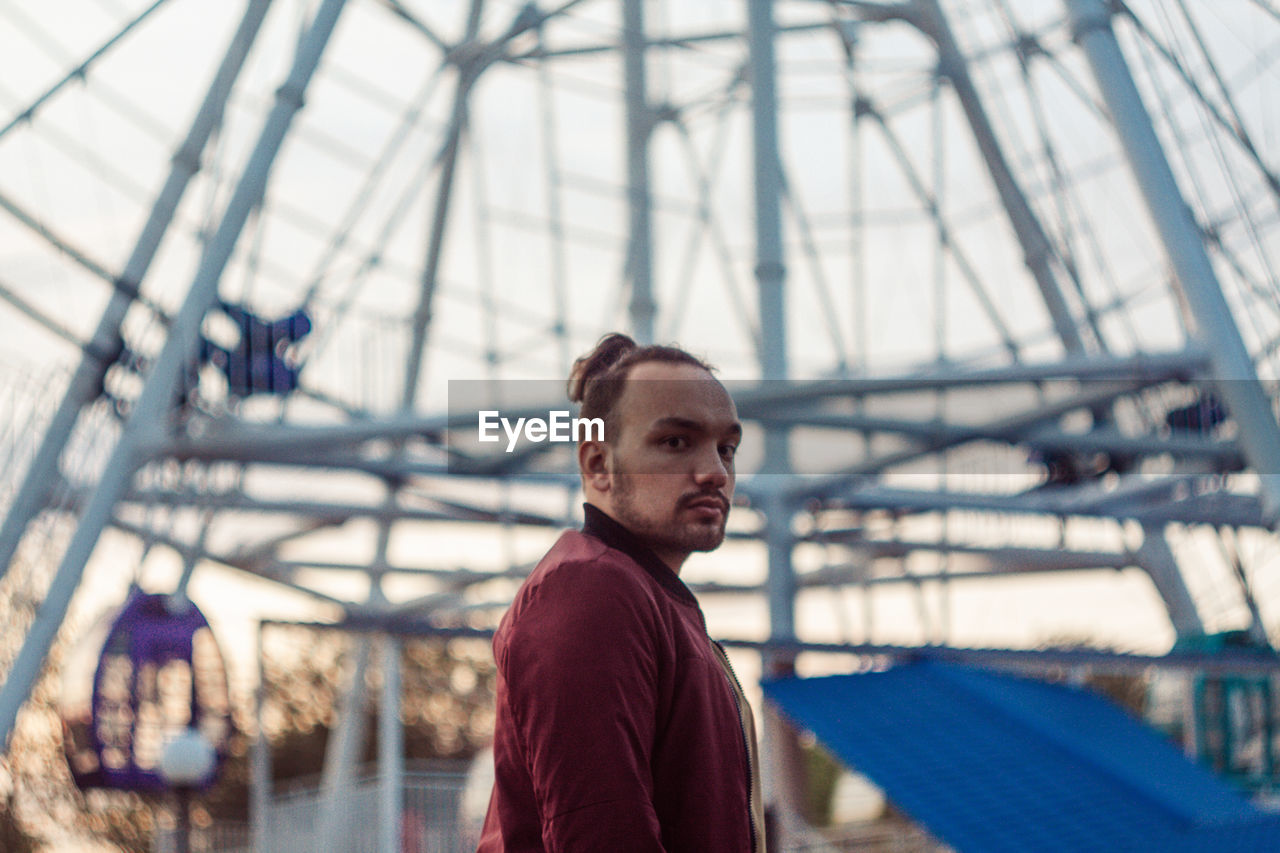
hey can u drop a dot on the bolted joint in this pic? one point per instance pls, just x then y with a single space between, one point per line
1028 46
948 69
187 158
863 107
1037 252
644 119
464 54
770 271
664 112
1089 16
290 92
471 58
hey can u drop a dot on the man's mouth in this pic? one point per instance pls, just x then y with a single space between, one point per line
708 505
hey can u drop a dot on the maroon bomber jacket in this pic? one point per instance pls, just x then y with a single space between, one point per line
620 726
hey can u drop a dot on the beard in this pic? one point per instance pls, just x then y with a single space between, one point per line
662 528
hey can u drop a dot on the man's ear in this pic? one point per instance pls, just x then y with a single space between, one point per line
593 464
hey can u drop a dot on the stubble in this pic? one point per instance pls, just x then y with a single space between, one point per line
664 528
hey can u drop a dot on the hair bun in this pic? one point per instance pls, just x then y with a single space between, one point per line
608 352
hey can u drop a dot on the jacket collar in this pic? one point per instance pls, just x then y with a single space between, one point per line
599 524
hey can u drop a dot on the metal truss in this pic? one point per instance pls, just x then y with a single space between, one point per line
968 266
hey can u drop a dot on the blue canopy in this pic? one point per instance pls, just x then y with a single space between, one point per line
993 762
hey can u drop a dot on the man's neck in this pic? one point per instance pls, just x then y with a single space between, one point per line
673 560
622 537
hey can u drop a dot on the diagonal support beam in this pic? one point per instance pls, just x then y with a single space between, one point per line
157 396
1037 250
80 71
1008 428
471 56
467 75
1234 376
1157 559
86 382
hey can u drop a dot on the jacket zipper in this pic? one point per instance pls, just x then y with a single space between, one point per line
736 690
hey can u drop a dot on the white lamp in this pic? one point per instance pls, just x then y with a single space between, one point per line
188 759
185 762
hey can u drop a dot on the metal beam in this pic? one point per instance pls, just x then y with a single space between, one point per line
1008 428
1238 510
390 750
770 274
260 760
639 130
81 71
780 749
469 65
686 40
1234 376
333 511
105 344
1149 503
188 551
52 326
1014 556
753 400
334 830
1157 560
850 575
158 394
1237 661
237 440
1225 453
1036 248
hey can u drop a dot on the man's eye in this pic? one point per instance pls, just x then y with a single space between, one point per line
728 450
675 442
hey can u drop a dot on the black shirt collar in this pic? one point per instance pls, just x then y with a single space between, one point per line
599 524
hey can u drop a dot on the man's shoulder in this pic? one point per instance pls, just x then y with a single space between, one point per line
579 570
573 547
579 558
579 573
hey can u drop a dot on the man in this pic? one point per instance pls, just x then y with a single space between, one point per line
620 726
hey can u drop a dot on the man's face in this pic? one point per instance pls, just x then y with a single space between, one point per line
670 474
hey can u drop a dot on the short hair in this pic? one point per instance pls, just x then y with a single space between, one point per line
598 378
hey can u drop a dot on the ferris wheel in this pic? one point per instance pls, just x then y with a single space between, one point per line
996 281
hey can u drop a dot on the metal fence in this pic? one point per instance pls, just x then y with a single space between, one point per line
871 837
431 821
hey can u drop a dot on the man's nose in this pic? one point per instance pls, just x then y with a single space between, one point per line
711 469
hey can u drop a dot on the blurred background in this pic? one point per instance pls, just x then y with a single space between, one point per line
993 283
